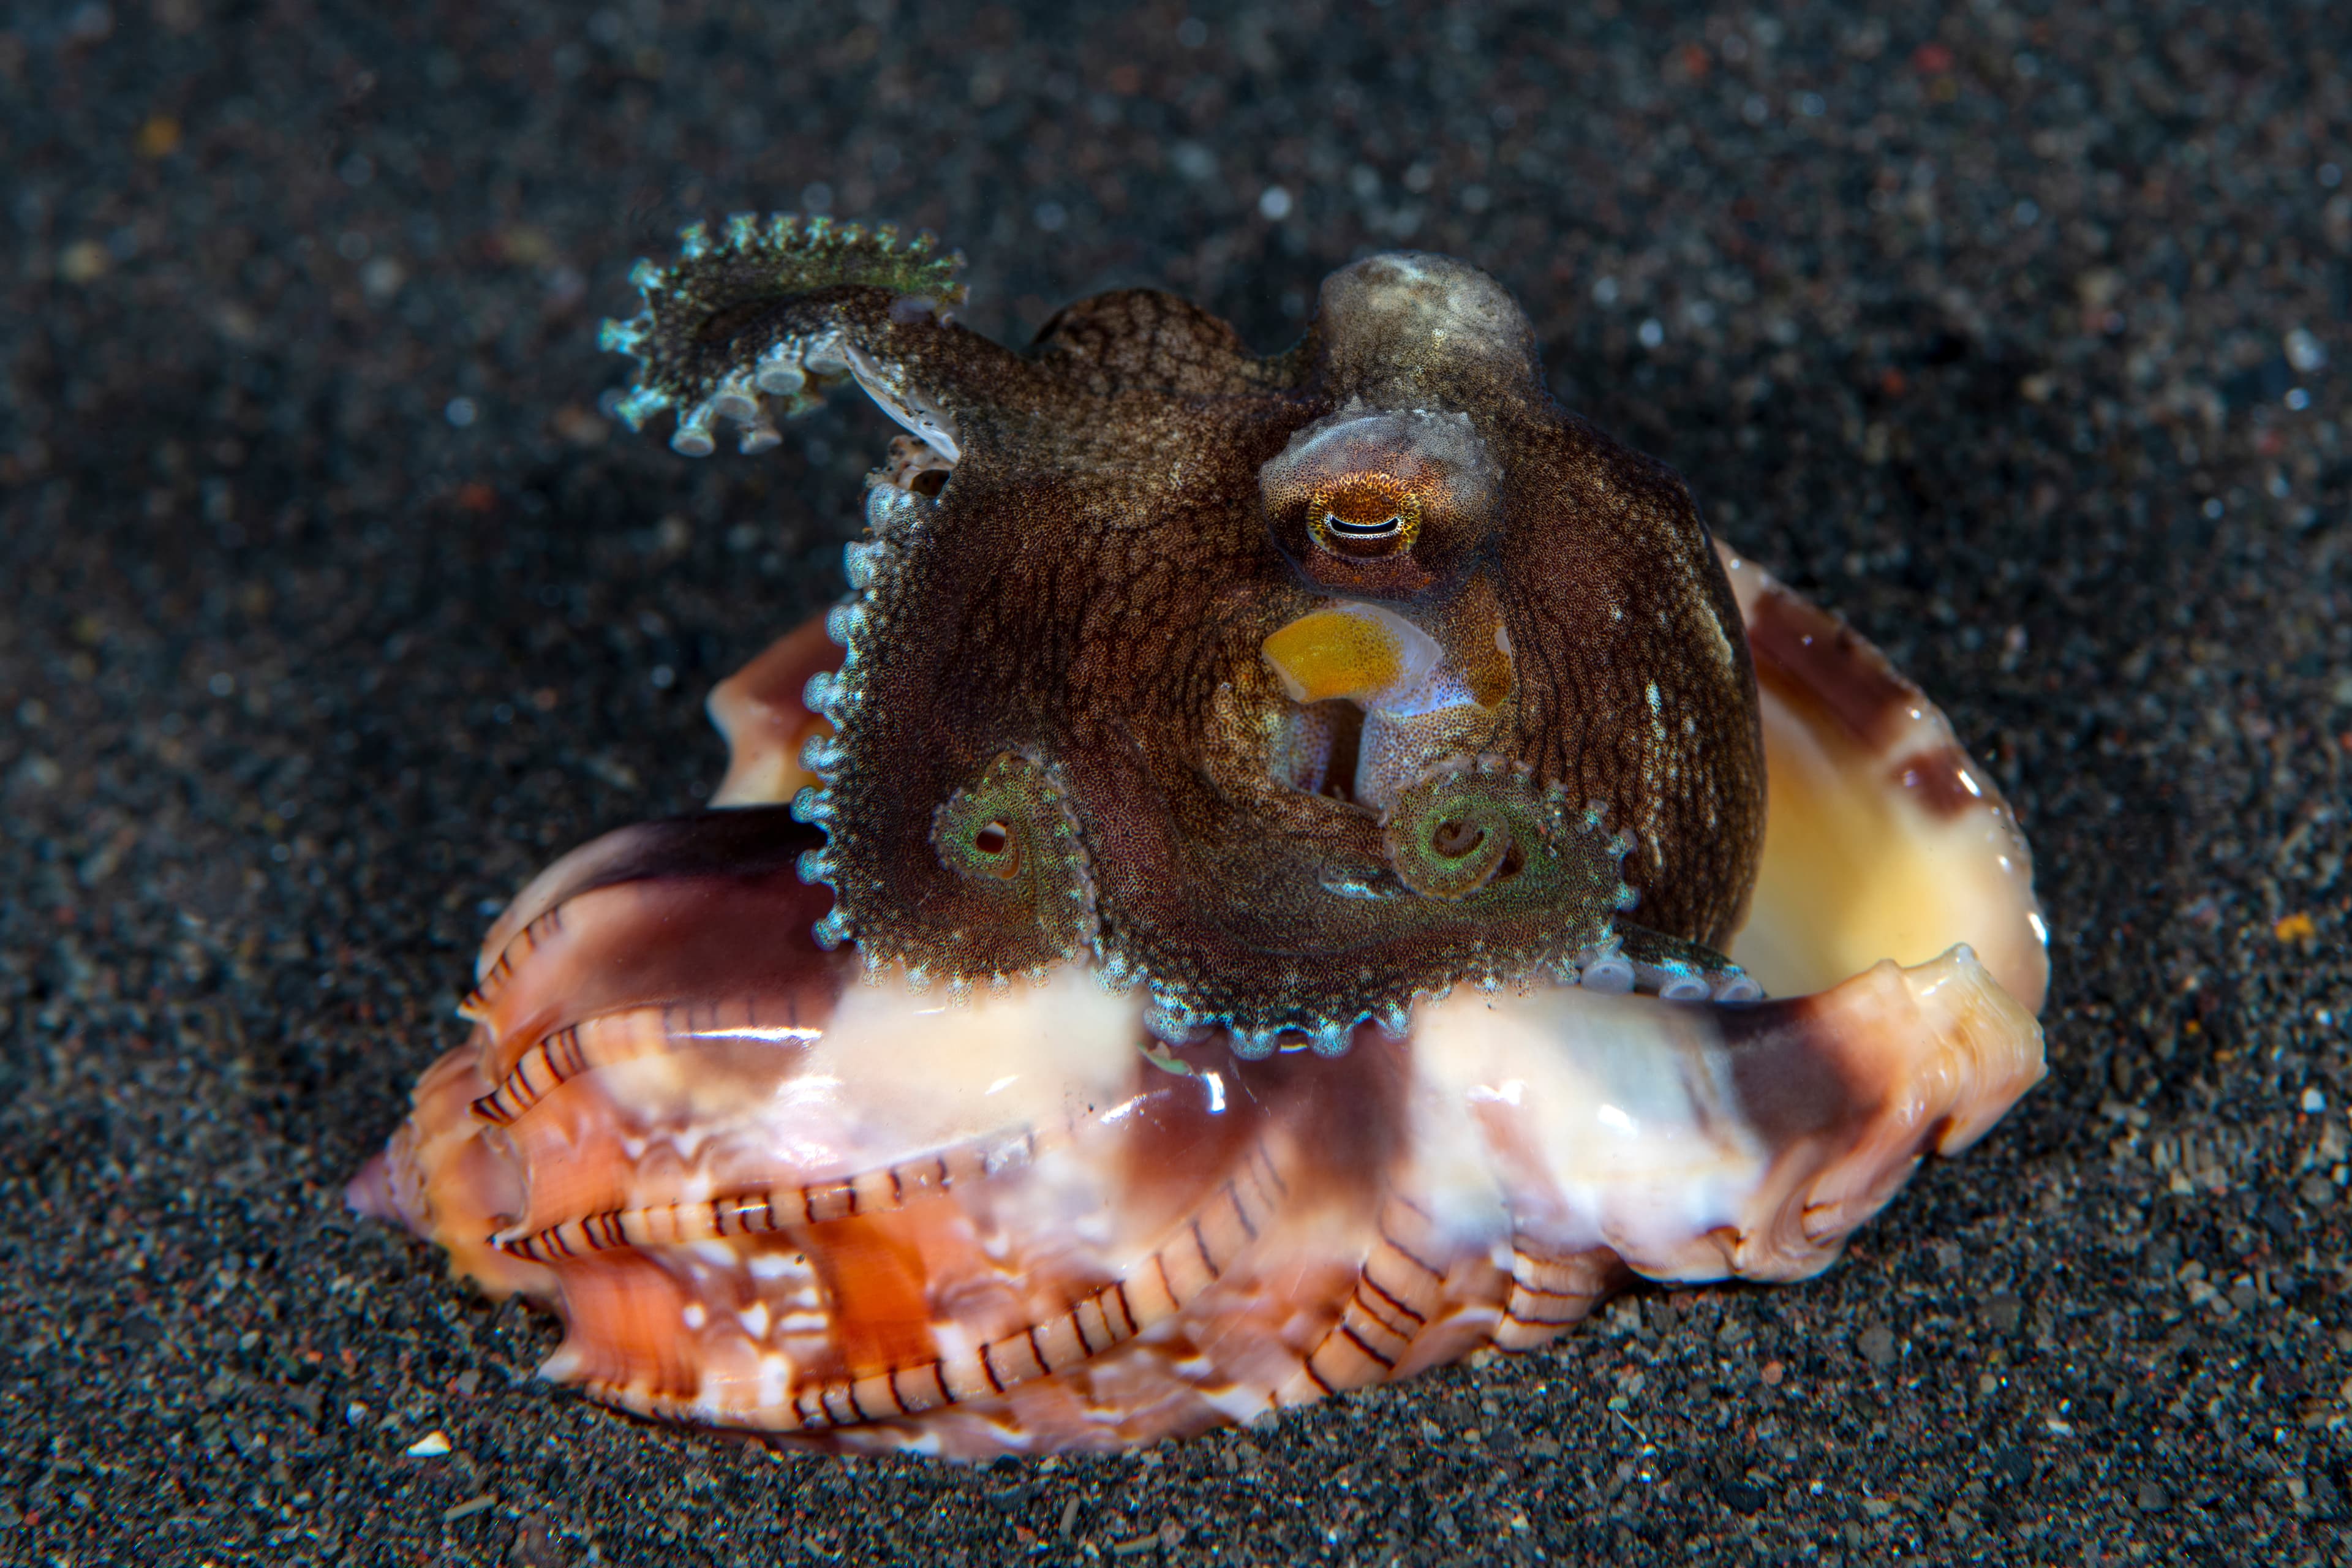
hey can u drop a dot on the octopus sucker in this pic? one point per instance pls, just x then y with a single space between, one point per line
1265 887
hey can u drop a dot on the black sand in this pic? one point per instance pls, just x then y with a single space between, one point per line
330 606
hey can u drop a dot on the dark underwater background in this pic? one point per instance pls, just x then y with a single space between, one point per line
333 601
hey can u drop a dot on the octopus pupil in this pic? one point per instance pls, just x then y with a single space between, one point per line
1387 525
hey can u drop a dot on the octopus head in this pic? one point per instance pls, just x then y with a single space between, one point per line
1296 689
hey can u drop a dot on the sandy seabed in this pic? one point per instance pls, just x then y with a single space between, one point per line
333 606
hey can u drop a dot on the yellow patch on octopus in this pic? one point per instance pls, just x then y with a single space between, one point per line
1362 652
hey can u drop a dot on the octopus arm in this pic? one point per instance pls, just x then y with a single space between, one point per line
779 310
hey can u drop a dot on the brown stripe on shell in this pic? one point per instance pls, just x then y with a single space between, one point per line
1787 1074
764 1210
1016 1358
1803 651
877 1396
1374 1305
919 1400
696 925
1355 1337
1378 1293
1163 1283
1098 1337
1419 1234
476 1007
1395 1281
1354 1120
640 1401
1935 778
576 1048
1550 1293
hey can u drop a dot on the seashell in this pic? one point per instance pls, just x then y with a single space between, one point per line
765 1194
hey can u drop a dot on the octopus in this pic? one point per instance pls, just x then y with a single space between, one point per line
1266 886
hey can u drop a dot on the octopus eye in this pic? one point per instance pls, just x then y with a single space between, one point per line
1387 527
1364 517
1384 505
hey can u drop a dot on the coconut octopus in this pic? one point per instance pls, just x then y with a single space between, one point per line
1265 887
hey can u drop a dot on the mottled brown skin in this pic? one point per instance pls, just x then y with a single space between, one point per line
1091 588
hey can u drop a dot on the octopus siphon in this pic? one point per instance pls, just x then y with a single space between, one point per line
1265 886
